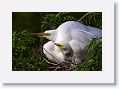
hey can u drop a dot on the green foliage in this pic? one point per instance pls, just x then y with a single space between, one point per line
94 60
30 63
52 21
22 44
93 19
26 55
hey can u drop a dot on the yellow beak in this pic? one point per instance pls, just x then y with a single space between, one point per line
40 34
60 46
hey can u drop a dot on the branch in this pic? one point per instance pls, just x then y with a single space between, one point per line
50 62
84 16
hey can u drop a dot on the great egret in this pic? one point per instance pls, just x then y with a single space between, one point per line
71 37
77 36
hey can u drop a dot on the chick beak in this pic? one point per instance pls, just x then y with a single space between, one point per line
60 46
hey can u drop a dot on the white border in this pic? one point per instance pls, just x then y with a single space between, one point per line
104 76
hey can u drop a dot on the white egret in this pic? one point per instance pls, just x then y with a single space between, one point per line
77 36
53 52
72 38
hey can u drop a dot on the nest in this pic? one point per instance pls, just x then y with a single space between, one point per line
57 66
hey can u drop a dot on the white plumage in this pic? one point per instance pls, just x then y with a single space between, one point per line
53 52
71 39
77 36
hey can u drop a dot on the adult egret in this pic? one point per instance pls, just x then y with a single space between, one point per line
72 38
77 36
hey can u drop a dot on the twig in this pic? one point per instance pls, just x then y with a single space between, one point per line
54 67
50 62
69 62
85 16
58 67
71 68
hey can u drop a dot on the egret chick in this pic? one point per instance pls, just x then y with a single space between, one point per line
52 52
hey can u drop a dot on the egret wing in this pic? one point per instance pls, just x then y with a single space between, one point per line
80 36
85 35
95 31
79 50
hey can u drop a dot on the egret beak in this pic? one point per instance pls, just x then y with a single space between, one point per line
60 46
40 34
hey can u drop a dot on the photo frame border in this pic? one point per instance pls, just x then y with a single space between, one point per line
105 76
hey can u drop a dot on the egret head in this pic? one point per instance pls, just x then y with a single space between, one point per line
66 50
50 34
60 46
